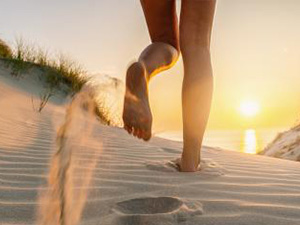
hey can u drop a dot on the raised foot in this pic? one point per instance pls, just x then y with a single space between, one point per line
137 115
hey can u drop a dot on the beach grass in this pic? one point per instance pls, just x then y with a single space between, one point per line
57 69
58 72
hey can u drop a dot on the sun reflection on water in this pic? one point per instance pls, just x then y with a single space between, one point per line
250 141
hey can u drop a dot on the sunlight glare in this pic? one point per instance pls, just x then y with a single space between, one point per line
249 108
250 141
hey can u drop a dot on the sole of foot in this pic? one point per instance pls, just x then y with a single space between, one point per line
137 115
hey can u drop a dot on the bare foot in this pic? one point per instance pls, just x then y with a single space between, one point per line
137 115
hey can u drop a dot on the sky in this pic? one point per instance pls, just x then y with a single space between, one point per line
255 53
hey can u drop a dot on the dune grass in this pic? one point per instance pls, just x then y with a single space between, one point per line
57 70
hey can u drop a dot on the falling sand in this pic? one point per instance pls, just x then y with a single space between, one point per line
63 203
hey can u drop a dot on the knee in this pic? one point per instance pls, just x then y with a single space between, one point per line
197 63
194 47
196 56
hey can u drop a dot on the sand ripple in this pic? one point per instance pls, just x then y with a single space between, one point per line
132 182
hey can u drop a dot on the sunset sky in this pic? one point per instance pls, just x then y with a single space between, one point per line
255 52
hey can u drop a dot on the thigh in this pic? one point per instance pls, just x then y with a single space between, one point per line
196 20
161 20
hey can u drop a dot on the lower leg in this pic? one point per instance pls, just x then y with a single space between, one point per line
161 20
195 32
196 101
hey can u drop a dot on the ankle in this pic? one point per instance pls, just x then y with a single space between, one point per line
189 163
187 167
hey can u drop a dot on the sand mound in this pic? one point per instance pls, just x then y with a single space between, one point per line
285 146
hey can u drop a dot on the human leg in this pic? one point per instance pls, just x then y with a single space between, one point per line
196 21
160 55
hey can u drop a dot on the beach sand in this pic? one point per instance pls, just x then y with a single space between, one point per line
133 181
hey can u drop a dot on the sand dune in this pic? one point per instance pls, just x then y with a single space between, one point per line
286 145
134 182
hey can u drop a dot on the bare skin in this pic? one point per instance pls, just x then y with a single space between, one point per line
196 20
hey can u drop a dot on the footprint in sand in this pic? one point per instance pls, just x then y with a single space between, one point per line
155 210
208 167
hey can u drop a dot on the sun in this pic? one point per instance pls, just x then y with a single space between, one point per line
249 108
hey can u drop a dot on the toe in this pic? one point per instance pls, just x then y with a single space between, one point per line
140 134
135 132
128 129
146 135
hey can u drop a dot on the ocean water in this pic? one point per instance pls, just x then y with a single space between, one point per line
249 141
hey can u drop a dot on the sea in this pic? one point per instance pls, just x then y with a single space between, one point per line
250 141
